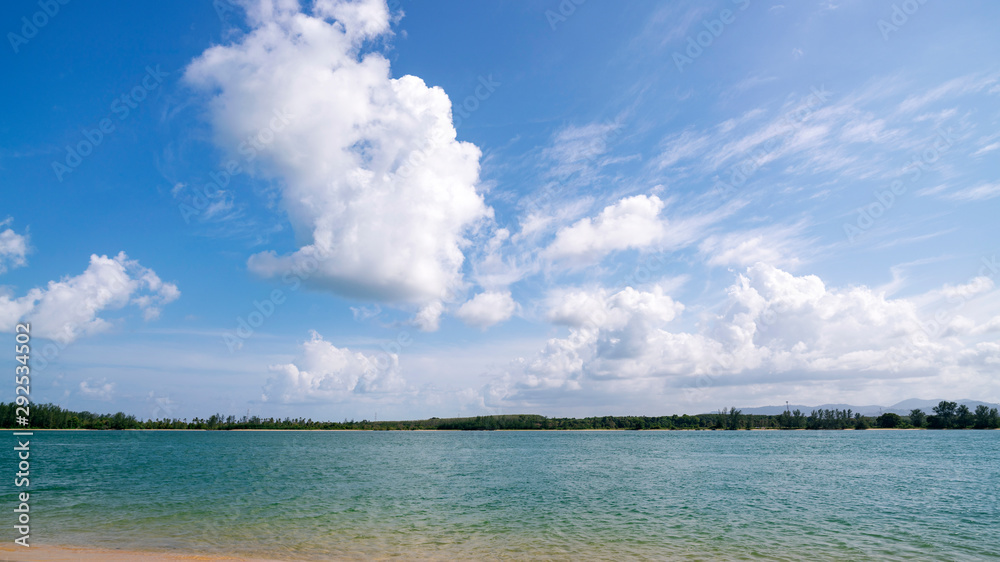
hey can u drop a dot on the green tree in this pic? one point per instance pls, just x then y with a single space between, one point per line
728 419
889 420
735 419
982 416
964 417
944 415
917 417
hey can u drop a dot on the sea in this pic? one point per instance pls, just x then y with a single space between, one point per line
519 495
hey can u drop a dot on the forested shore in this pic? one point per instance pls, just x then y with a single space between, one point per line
946 415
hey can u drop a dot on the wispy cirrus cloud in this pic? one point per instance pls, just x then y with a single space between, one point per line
861 134
779 245
980 192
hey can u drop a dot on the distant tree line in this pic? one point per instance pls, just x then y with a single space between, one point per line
947 415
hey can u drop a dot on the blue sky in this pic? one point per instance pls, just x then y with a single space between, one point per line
346 209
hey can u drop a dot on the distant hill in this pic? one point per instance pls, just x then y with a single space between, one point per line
905 406
901 408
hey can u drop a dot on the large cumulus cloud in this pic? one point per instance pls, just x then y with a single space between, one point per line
325 372
379 192
773 325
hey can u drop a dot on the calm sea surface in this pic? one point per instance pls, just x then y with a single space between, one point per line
844 495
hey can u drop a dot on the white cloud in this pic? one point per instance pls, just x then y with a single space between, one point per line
574 159
362 313
578 308
964 326
608 334
101 389
860 134
975 287
498 263
666 24
865 128
358 19
68 309
685 145
951 89
542 221
978 193
13 248
775 325
324 372
576 149
632 222
378 190
988 148
487 308
428 318
777 245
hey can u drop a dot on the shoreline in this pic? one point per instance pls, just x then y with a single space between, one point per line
72 553
509 430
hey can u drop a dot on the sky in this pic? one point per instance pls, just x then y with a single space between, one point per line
369 210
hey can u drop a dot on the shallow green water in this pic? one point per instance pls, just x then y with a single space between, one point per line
522 495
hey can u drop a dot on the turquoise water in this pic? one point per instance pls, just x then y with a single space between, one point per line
847 495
